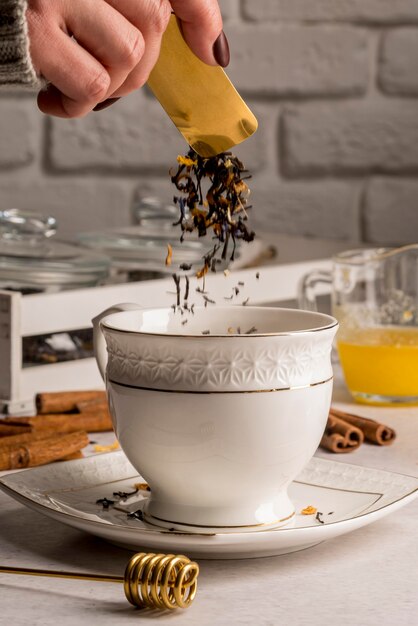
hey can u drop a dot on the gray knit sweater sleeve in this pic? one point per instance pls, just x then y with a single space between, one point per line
16 67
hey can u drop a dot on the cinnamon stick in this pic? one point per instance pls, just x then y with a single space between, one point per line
99 421
73 457
373 431
340 436
7 430
14 441
65 401
42 452
89 407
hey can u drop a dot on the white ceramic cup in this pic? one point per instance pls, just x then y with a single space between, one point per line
218 424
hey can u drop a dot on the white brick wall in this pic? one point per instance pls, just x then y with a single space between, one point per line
356 137
17 133
287 61
334 84
391 211
399 62
362 11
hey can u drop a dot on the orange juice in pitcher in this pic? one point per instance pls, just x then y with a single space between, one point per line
374 296
381 363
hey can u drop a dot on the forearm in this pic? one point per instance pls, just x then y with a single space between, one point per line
16 67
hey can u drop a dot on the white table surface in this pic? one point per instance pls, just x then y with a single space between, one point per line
368 577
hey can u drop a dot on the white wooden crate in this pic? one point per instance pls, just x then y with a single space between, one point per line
41 314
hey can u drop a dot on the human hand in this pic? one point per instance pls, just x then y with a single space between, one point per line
94 50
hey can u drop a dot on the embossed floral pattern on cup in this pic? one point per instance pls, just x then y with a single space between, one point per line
264 362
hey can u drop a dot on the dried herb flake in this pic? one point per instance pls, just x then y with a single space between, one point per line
105 502
222 210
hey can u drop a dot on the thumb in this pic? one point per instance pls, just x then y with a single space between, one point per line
201 23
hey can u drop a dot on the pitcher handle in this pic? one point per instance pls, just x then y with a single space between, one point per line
99 343
307 296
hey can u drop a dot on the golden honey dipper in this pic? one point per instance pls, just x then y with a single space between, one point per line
159 581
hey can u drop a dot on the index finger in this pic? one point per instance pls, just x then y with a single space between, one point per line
201 23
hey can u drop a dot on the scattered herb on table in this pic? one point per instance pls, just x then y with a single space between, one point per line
136 515
105 502
124 495
309 510
142 487
113 446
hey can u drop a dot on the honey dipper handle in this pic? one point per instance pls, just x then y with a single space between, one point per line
26 571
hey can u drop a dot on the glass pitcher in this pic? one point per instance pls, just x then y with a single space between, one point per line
375 299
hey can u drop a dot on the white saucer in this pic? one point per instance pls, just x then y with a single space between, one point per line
348 496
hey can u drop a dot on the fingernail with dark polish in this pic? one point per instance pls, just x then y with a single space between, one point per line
221 50
105 104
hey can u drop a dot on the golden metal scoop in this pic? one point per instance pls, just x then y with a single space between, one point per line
159 581
200 99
